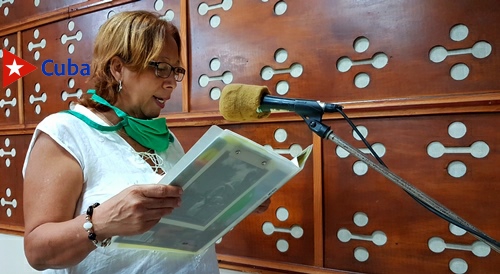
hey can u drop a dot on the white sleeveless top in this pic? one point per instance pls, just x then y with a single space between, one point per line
109 165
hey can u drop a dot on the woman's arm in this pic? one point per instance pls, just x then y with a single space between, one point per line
52 186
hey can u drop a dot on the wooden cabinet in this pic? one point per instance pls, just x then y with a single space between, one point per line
418 78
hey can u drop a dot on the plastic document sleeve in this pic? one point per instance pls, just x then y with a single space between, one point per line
225 177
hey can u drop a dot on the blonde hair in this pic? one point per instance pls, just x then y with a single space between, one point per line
134 36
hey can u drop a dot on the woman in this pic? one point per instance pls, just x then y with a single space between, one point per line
89 176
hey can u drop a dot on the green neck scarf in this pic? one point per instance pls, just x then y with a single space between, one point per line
150 133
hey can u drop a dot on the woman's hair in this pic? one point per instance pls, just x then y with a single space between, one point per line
134 36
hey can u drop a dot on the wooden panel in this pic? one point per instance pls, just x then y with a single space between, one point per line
62 51
9 101
317 35
12 154
466 184
290 206
16 11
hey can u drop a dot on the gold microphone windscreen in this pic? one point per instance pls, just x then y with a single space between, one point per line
240 102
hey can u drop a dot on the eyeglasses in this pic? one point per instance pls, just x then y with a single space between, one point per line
164 69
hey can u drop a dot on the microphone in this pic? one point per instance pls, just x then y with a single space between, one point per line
239 102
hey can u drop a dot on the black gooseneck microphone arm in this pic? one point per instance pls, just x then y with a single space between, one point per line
313 116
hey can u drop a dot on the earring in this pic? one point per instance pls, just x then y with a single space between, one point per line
120 86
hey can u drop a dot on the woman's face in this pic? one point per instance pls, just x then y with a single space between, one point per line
143 93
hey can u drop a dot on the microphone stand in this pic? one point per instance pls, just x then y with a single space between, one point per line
313 118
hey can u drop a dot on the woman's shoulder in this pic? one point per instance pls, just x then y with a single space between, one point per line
63 124
56 120
66 118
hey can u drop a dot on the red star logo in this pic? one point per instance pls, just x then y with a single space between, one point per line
14 68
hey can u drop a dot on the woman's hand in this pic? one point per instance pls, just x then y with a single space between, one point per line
135 210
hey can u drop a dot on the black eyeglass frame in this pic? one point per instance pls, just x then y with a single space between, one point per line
179 72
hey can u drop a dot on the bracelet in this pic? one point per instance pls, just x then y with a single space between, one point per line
89 227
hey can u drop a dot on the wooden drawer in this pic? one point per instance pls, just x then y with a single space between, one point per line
14 12
12 153
344 51
397 230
